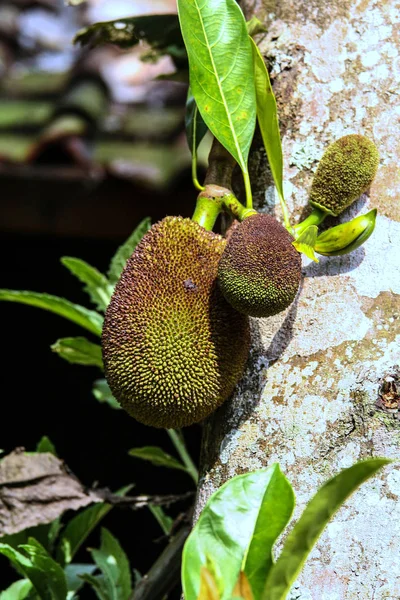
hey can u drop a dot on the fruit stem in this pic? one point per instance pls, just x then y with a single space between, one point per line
236 208
208 207
315 218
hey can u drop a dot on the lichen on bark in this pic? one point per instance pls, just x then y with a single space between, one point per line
310 396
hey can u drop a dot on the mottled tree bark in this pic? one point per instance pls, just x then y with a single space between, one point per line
310 396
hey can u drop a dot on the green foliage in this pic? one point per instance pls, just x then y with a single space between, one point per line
162 32
267 117
242 520
222 536
51 573
157 457
79 351
46 445
80 315
101 391
34 567
195 127
80 527
118 261
274 514
312 522
17 590
73 575
111 560
221 75
305 242
96 284
161 517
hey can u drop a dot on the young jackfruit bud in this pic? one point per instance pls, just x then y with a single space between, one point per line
345 171
173 348
259 272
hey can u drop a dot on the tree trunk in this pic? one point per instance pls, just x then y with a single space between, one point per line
312 396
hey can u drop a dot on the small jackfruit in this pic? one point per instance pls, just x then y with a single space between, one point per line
345 171
259 272
173 348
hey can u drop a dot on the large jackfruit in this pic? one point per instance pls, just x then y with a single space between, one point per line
259 272
173 347
345 171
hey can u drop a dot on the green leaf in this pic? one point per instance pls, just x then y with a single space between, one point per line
101 391
305 242
255 26
222 535
275 511
118 261
96 284
98 584
89 319
46 445
114 565
162 518
221 72
52 572
309 527
17 590
79 351
79 528
157 457
162 32
73 575
25 566
196 129
268 119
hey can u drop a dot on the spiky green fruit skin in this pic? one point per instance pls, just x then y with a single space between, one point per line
345 171
173 348
259 272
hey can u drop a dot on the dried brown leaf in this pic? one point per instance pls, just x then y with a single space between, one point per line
36 489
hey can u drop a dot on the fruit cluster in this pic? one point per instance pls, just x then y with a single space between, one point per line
176 332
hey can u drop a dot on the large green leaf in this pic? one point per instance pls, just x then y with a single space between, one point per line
275 512
96 284
113 563
89 319
157 457
52 571
222 536
17 590
268 118
79 351
101 391
119 259
80 527
221 72
99 585
309 527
